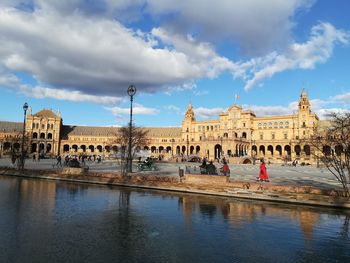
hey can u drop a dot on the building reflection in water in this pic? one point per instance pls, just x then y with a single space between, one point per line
238 213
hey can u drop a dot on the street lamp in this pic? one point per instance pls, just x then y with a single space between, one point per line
25 108
131 93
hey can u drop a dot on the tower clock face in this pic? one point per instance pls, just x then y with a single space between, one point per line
131 90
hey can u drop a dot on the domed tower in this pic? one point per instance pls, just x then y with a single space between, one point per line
190 113
304 104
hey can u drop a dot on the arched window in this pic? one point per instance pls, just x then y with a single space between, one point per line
49 136
42 135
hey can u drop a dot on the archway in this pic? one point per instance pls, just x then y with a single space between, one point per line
153 149
191 149
7 146
91 148
178 150
83 147
270 149
75 147
161 149
297 150
326 150
99 148
287 150
66 148
198 149
262 150
41 148
48 148
35 135
217 151
307 150
42 135
33 150
254 150
279 150
338 149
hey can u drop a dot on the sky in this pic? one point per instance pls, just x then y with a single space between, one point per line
79 57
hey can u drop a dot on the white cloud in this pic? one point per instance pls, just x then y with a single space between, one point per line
318 49
92 55
137 109
247 23
68 95
76 45
342 98
207 113
323 114
173 108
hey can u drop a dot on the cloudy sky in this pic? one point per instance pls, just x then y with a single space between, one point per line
79 57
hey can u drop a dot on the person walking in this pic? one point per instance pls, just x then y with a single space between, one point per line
225 169
263 173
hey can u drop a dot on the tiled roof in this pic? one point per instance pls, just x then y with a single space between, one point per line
108 131
87 130
164 132
46 113
7 126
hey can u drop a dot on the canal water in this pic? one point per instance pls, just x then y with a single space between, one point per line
48 221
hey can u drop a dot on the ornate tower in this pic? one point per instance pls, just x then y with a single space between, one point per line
189 116
304 104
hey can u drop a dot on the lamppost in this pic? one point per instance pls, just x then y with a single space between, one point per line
25 108
131 93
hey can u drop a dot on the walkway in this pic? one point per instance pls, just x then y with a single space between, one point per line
282 175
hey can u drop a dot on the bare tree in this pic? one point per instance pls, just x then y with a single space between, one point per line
331 144
138 140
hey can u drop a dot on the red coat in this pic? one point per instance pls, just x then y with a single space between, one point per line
263 173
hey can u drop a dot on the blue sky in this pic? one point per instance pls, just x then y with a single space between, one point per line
79 57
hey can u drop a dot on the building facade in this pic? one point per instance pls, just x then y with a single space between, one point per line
235 134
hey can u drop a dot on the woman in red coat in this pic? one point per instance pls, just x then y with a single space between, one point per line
263 173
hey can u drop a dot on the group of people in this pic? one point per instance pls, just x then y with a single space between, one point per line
211 168
225 170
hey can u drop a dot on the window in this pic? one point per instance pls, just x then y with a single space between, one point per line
261 136
281 124
285 136
287 124
270 125
42 126
265 125
243 124
304 124
272 136
275 124
259 125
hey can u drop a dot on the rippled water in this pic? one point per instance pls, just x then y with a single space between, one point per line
46 221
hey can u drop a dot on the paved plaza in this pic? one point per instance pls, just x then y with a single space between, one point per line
285 175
